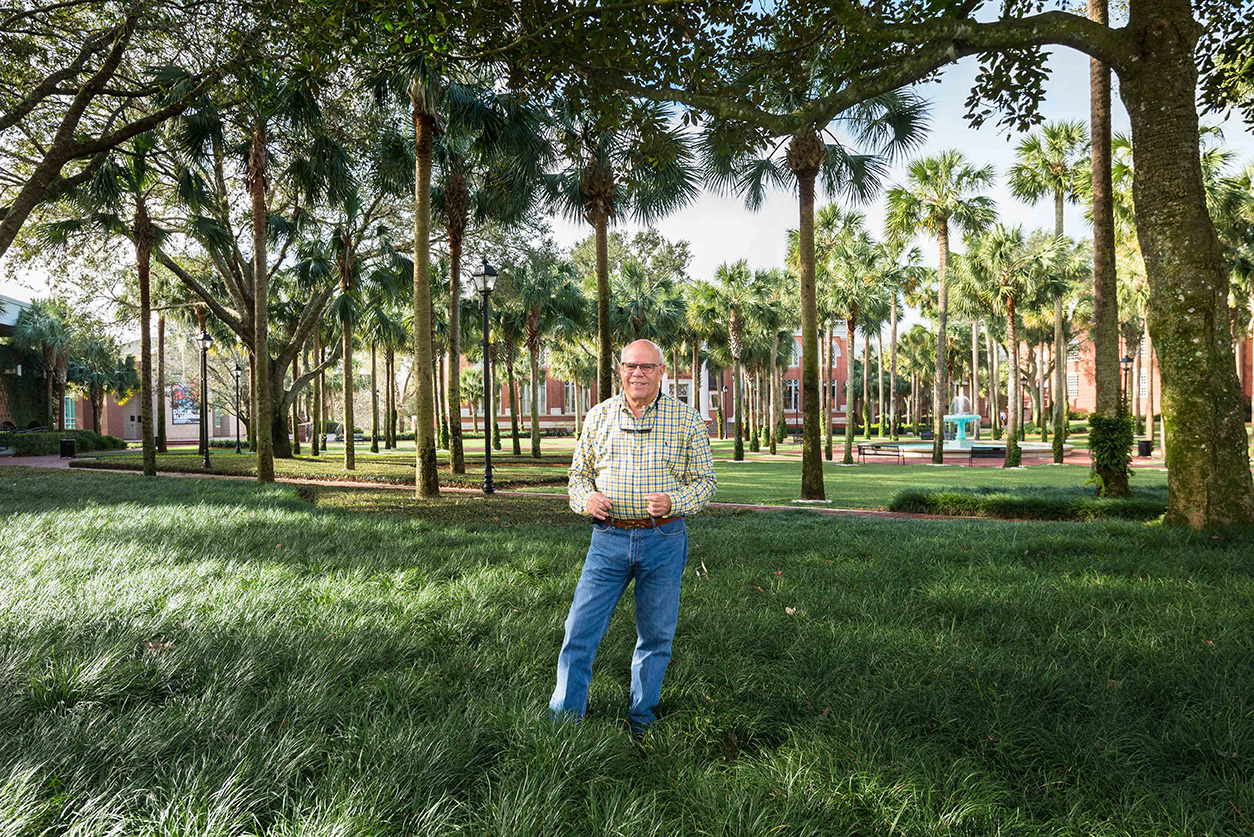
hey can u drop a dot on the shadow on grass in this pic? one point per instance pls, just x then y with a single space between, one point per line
944 676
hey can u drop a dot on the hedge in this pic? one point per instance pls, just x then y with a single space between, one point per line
1033 503
41 444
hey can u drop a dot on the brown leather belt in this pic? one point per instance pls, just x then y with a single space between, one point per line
646 523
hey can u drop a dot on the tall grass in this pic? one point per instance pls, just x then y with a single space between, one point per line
186 657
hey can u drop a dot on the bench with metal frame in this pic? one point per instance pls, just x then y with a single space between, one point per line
877 449
985 452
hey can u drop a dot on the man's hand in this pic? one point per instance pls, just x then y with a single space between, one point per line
598 505
659 505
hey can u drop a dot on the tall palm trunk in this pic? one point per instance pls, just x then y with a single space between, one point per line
263 417
374 398
295 406
850 331
160 385
350 448
1014 411
457 456
829 396
774 396
806 153
866 385
144 240
975 370
1060 351
533 352
694 398
1150 412
510 385
879 377
1113 478
735 330
427 482
994 385
605 351
892 374
1040 389
940 387
1134 390
315 438
394 400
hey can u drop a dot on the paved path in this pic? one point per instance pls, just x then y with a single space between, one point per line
58 462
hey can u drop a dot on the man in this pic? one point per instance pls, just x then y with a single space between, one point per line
642 464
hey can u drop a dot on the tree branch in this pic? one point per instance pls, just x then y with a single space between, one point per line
232 322
52 83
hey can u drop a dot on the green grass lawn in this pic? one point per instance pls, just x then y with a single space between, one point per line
187 657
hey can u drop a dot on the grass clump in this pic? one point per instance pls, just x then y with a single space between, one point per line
206 656
1041 502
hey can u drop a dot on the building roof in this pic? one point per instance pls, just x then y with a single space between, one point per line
9 309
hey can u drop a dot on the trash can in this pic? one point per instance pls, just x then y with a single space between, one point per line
1144 447
67 448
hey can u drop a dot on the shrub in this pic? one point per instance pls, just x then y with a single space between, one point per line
1032 503
42 444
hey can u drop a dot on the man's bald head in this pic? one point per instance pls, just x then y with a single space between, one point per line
641 344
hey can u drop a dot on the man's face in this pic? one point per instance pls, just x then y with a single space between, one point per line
641 384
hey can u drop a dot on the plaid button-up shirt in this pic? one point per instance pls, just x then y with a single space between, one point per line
666 450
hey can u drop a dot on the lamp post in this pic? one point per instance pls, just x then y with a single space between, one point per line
205 342
1126 363
238 371
484 281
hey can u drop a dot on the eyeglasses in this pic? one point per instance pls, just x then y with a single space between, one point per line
631 426
646 368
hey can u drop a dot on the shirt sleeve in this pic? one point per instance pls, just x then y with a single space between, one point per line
582 468
698 482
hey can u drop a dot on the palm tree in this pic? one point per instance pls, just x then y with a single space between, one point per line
855 263
749 161
644 306
1054 162
642 165
737 295
472 390
1012 271
937 198
40 327
548 292
904 275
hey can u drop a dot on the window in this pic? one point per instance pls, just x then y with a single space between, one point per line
568 398
1142 384
525 399
1073 353
792 394
1073 383
71 414
796 354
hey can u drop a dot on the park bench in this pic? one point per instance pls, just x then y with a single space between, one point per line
985 452
865 450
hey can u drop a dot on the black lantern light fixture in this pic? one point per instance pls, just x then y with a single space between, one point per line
238 371
484 281
205 342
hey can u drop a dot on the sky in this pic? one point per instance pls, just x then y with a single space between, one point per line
720 229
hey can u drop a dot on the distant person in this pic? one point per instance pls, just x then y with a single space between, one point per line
642 463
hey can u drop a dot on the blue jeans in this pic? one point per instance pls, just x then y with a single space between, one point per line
655 558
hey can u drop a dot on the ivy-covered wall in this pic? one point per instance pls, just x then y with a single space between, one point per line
23 398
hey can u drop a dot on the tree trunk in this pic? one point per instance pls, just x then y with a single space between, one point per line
159 389
829 397
350 447
1040 390
1134 390
879 379
374 399
605 350
994 385
457 455
775 394
427 481
850 331
144 240
315 438
1207 451
1014 410
811 460
295 406
263 418
533 352
975 371
866 385
694 399
578 409
513 398
1150 410
940 386
1060 350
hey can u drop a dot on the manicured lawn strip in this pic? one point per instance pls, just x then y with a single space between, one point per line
395 468
1033 503
179 653
873 486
